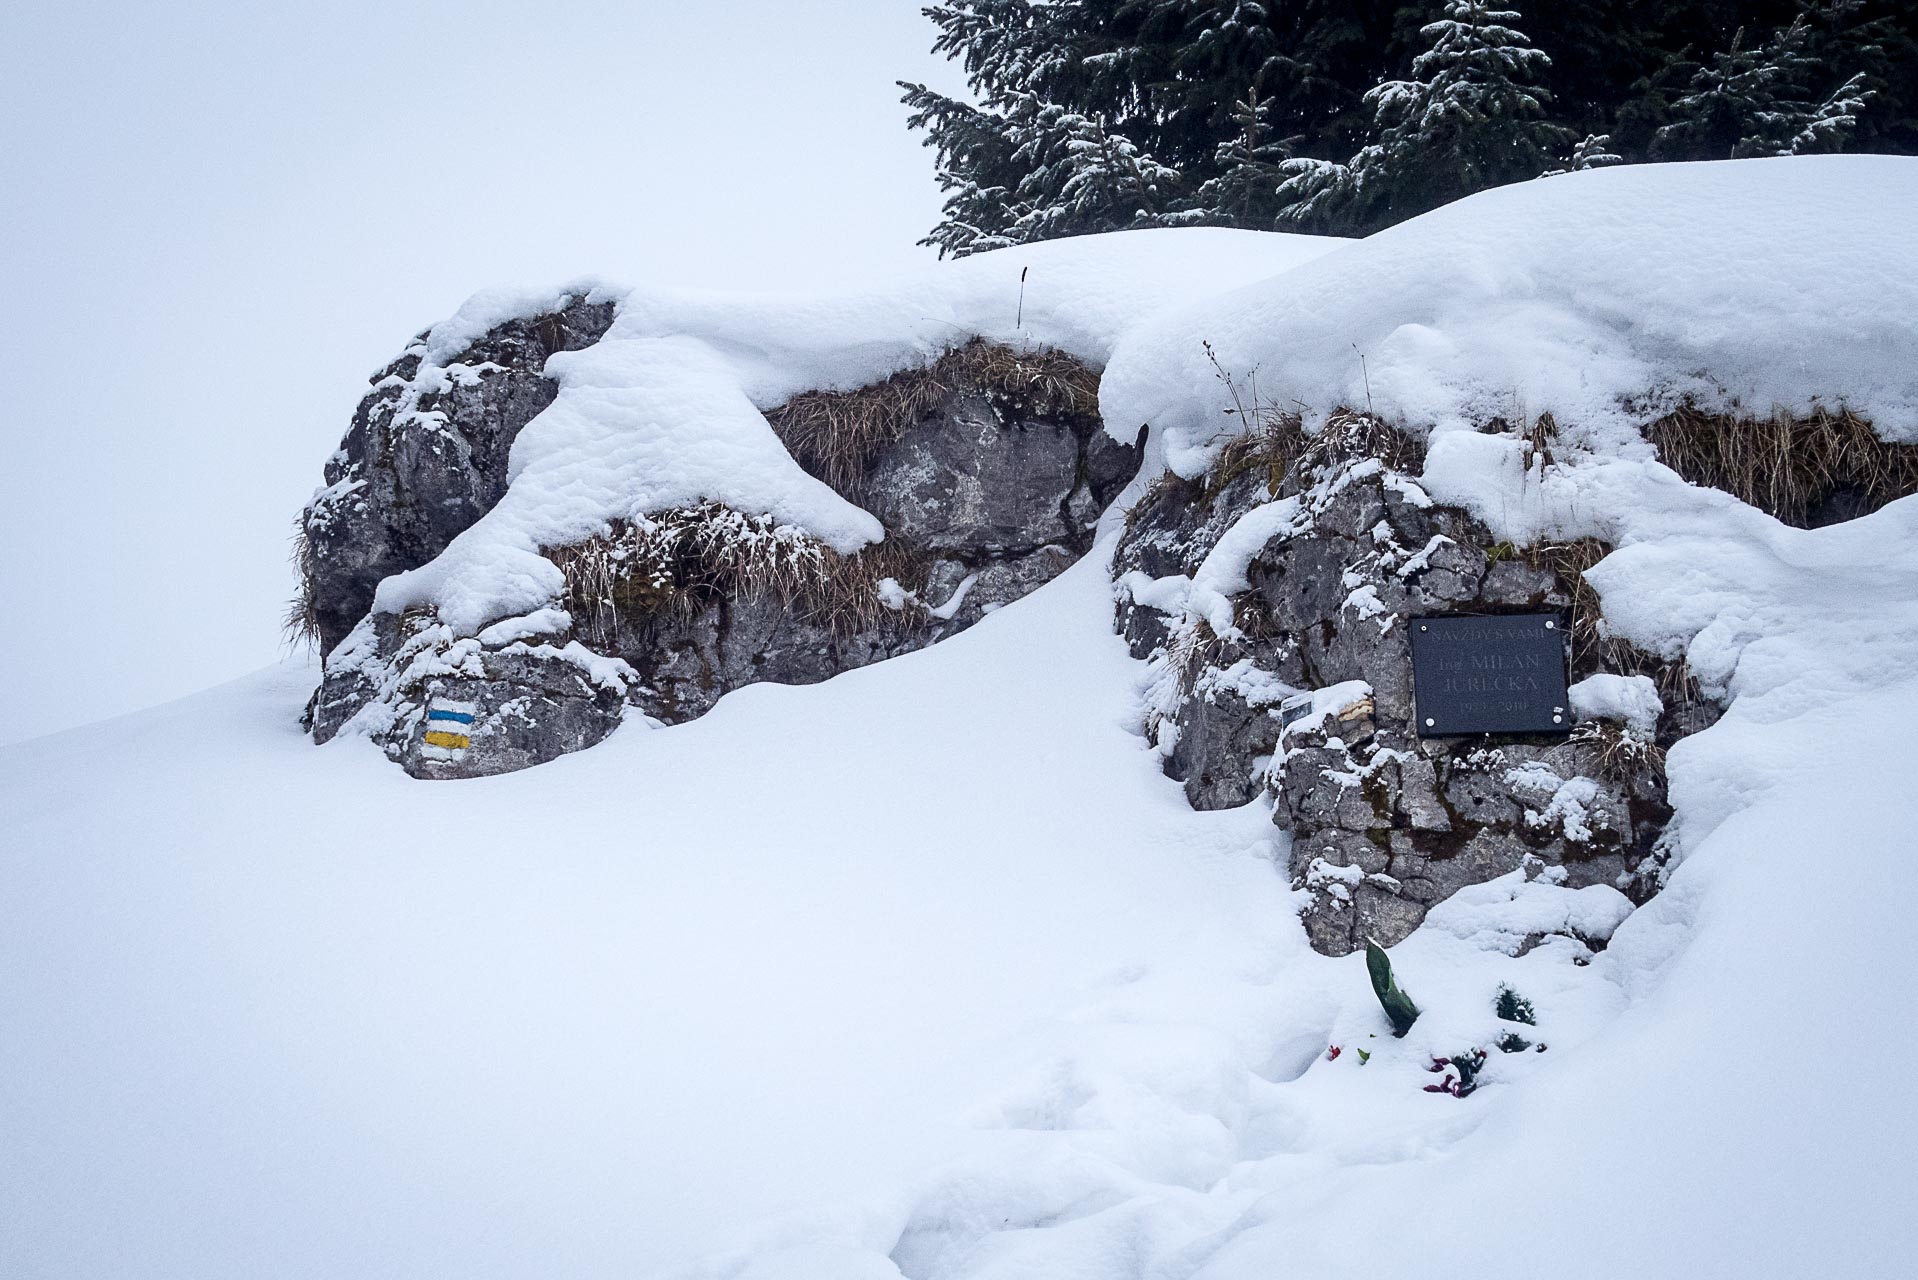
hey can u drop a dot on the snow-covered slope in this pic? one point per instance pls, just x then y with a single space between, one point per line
274 1010
927 971
279 1011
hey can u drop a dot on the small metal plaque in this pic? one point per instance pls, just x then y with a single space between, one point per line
1480 673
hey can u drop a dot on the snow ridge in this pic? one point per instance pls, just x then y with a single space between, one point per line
1605 298
665 410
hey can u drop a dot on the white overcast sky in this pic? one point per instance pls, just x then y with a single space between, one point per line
220 217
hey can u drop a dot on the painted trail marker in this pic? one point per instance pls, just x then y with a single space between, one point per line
447 725
1476 673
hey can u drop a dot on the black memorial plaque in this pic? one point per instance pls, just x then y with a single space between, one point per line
1490 674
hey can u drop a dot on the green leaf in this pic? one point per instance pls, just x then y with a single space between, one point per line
1397 1005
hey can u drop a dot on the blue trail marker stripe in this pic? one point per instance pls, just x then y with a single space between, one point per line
459 717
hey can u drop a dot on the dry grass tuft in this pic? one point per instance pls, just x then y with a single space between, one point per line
1041 381
1619 754
1802 470
1271 438
1160 502
1192 649
1677 686
1270 444
1275 442
1537 437
1593 649
301 622
675 563
836 434
1349 435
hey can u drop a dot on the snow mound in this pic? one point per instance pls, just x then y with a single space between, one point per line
1631 700
443 344
665 411
1605 298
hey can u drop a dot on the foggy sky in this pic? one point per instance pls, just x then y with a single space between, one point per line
221 217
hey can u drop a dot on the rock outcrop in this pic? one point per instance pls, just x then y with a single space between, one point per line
1276 598
426 456
988 469
445 706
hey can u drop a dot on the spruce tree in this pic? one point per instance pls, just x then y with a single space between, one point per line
1083 175
1474 117
1763 98
1595 152
977 171
1346 115
1478 117
1244 191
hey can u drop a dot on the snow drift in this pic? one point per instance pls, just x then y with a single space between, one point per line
273 1011
1603 298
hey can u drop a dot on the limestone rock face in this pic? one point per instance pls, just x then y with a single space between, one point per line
451 707
426 456
989 476
446 707
976 480
1308 696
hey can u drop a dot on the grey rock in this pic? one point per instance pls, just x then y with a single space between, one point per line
531 708
530 700
997 583
978 480
979 493
1221 741
967 482
1513 584
1418 801
1418 820
426 456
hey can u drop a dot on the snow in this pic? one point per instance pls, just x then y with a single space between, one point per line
639 426
279 1010
1500 914
541 622
442 343
958 597
1222 573
1603 297
1311 710
1167 594
665 410
1633 701
1567 801
928 970
1206 595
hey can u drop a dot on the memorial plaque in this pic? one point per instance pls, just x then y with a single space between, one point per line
1480 673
